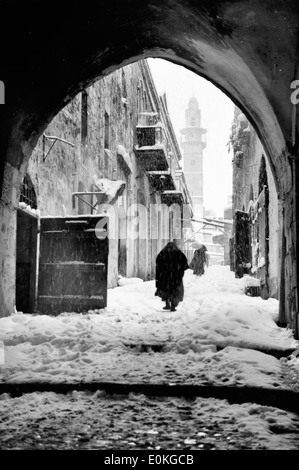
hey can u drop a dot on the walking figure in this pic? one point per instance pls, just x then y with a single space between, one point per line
171 264
200 260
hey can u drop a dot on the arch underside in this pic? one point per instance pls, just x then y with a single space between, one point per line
244 48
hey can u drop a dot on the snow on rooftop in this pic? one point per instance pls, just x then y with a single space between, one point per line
109 187
151 147
78 217
147 126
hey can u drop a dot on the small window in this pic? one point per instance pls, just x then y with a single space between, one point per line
27 193
107 131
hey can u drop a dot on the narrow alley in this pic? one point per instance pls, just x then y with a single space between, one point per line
149 217
218 373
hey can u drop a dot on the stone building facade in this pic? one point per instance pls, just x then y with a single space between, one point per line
112 149
256 210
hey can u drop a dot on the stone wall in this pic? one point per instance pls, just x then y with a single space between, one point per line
247 162
282 221
290 313
96 152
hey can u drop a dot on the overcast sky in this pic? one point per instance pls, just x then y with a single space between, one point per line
180 85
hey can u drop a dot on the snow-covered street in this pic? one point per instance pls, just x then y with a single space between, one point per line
218 336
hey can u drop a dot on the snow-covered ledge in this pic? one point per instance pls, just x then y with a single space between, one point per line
124 158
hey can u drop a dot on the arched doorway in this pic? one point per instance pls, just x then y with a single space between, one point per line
203 37
26 247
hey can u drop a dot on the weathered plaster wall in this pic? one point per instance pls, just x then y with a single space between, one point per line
68 169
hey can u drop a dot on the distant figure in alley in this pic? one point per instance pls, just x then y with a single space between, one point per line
171 264
200 260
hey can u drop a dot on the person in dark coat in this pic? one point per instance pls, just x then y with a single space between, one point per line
199 261
171 264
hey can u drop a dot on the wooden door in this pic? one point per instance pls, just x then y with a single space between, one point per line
73 264
242 244
27 226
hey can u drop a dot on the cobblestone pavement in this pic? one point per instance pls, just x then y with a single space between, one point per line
83 420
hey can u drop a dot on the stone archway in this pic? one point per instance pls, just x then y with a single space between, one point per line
247 49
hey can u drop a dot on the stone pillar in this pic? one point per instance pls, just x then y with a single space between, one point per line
282 319
8 222
290 221
296 243
292 225
8 259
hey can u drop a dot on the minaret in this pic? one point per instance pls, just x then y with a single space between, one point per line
193 142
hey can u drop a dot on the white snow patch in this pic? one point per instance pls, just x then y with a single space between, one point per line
27 208
124 281
207 340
